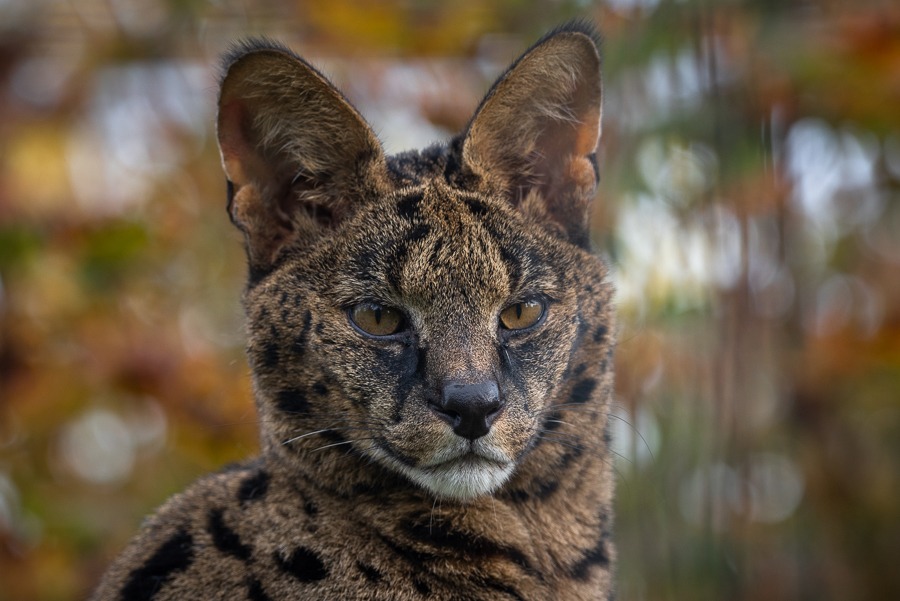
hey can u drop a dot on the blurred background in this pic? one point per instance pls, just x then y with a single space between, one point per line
749 204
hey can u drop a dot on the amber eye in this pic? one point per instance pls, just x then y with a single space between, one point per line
377 320
519 316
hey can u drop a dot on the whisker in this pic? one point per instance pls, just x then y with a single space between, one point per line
343 442
290 440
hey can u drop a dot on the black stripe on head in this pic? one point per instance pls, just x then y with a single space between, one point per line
300 343
173 556
410 366
510 259
304 564
408 207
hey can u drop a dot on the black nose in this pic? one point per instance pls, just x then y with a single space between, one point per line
470 409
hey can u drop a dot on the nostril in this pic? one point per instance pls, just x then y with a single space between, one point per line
450 417
470 409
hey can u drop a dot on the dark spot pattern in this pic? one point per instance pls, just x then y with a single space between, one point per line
256 592
320 389
304 564
226 540
582 391
444 539
371 573
292 401
597 556
422 587
600 333
302 340
253 487
173 556
477 207
269 355
408 208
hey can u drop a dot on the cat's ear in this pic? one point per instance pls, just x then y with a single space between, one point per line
297 155
535 134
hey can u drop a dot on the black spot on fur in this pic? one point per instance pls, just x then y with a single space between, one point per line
596 556
552 421
226 540
572 453
371 573
293 401
422 587
320 389
254 487
600 333
581 392
408 208
174 555
310 508
304 564
580 369
434 259
255 591
269 355
419 232
477 207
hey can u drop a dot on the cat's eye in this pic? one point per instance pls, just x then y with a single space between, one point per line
521 315
377 320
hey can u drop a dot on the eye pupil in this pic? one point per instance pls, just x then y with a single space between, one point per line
522 315
377 320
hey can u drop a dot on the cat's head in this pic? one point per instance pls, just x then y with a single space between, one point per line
424 312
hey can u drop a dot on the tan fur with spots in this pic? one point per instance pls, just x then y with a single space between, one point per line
455 457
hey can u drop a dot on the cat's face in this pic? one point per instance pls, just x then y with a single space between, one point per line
421 311
429 293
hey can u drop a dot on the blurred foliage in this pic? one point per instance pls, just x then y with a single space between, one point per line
750 203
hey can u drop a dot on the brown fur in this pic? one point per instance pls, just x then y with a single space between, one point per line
362 490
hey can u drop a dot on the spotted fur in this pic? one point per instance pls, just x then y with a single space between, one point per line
365 489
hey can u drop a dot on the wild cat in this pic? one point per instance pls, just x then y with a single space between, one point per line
430 339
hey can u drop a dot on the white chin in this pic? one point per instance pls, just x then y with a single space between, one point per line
461 480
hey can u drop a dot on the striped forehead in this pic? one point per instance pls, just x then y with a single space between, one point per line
452 249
